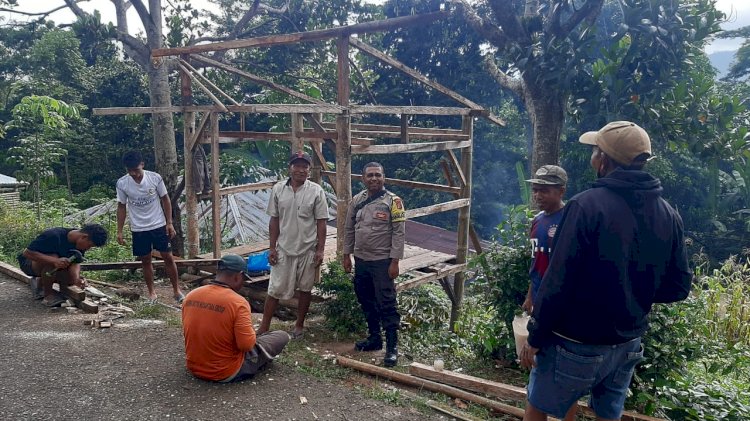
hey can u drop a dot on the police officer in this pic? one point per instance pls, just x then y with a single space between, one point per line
375 235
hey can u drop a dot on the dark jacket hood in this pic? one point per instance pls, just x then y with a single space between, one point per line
636 187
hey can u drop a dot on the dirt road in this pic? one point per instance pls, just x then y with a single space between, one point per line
54 367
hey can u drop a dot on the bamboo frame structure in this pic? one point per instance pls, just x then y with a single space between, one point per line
344 138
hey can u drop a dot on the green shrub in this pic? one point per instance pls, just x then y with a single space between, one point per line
342 310
425 307
503 275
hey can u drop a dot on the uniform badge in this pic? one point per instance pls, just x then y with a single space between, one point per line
398 214
381 215
398 204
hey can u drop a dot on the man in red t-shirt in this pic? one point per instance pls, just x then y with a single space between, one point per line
220 341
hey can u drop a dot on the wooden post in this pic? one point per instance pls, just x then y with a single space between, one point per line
215 193
315 174
343 144
404 128
297 142
464 215
191 200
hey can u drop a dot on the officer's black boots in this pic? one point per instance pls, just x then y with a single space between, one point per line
391 348
374 342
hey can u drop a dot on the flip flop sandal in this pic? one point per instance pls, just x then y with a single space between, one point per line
179 298
297 335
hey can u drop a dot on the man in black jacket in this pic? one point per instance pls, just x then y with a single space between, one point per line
619 249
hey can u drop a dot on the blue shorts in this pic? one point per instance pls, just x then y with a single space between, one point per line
145 241
566 371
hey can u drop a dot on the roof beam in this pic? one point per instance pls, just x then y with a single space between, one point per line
321 34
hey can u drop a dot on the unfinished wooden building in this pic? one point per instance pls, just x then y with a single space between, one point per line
317 124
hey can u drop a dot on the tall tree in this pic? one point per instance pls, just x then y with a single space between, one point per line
542 48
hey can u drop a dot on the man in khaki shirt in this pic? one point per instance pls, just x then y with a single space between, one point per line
375 235
297 232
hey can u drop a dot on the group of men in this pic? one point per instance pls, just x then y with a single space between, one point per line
220 341
600 262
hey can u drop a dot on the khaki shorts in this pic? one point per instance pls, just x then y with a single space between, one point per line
292 273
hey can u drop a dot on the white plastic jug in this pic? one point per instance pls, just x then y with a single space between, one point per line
520 333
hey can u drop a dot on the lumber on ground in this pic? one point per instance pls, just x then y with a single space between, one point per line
14 272
430 385
498 389
74 293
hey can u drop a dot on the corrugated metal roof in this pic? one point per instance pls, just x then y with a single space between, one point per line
6 180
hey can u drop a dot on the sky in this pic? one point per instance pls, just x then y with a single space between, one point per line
738 12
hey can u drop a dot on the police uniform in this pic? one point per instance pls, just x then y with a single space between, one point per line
374 235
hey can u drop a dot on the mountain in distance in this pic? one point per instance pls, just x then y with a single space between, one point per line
721 61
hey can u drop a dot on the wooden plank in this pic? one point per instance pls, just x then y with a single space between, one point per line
429 385
205 80
314 134
424 260
389 128
251 109
199 132
343 143
398 135
154 263
440 207
74 293
88 306
241 188
404 132
373 52
475 240
410 148
205 90
456 167
430 277
215 186
321 34
500 390
14 273
409 183
256 135
408 109
257 79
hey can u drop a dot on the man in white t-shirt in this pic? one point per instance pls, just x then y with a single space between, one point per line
143 195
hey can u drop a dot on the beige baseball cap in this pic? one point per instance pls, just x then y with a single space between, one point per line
622 141
550 175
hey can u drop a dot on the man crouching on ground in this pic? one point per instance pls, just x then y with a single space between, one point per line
50 258
220 342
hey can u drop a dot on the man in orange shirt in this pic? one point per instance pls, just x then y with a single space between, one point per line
220 342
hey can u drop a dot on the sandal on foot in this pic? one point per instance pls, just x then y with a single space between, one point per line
297 335
179 298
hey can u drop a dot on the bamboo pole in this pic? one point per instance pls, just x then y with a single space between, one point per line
343 143
464 215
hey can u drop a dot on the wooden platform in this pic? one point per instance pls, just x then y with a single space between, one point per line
419 265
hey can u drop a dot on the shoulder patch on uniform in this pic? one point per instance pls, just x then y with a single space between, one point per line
398 213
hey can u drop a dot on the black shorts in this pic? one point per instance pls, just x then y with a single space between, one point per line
25 265
155 239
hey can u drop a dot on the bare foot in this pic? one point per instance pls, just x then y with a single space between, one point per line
152 296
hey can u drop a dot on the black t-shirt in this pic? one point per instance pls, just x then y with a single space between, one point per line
52 241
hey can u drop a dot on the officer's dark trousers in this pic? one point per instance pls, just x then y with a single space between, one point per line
376 293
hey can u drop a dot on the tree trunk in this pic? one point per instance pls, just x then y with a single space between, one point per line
546 108
165 146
